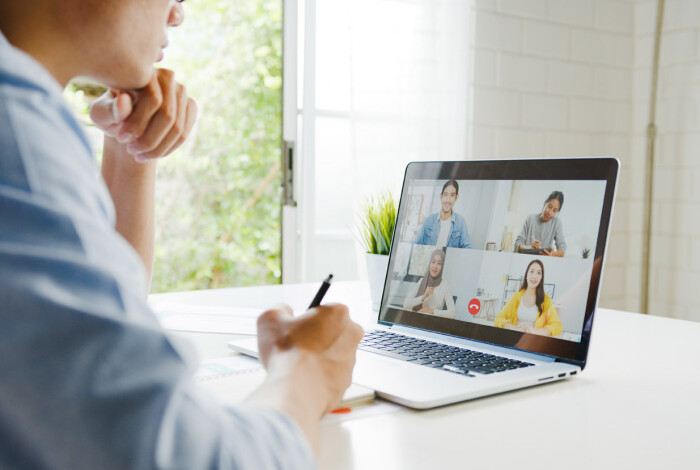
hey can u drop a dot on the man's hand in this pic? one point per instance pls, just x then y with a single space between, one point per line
324 333
150 122
309 361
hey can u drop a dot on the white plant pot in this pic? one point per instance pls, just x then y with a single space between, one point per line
376 274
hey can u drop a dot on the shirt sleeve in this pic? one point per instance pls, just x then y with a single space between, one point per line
522 237
509 312
419 238
411 299
554 326
88 385
89 378
559 236
446 299
466 241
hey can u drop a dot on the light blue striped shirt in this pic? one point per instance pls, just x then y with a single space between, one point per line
88 379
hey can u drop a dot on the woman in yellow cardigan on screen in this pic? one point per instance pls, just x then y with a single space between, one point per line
530 310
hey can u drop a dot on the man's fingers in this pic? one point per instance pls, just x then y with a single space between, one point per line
162 120
101 111
122 106
179 130
152 122
273 317
148 102
189 116
109 110
276 313
273 325
170 126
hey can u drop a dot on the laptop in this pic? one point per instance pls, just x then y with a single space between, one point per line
459 319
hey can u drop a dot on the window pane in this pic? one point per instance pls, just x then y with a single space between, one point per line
332 55
334 176
218 200
391 87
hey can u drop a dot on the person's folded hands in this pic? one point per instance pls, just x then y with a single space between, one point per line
150 122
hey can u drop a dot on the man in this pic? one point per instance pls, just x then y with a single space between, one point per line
445 228
89 379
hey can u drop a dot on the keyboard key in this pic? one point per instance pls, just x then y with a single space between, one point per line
436 355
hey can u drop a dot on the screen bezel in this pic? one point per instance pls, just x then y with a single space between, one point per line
575 169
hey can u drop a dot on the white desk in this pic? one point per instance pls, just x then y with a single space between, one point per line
636 405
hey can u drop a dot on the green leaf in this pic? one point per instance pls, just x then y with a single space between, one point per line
377 220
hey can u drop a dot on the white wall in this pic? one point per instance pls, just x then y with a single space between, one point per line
550 78
554 78
675 254
383 84
573 77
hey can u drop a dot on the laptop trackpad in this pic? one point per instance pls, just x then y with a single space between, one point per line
411 384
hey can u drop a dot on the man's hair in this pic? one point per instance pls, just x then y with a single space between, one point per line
451 183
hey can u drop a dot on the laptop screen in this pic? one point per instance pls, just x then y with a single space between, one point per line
505 252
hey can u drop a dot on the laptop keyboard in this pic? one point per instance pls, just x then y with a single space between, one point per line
436 355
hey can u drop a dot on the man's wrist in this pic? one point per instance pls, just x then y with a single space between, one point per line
299 380
117 157
296 386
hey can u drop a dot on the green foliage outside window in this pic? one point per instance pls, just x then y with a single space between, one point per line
218 204
218 197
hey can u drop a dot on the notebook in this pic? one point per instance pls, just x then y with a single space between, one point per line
231 379
459 321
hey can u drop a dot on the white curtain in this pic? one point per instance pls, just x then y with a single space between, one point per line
390 86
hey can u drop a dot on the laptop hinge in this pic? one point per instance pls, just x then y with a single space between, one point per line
573 362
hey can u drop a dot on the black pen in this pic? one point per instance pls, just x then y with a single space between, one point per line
321 292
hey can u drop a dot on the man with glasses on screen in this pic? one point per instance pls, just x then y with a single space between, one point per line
89 378
446 227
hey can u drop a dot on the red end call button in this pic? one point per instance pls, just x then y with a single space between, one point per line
474 306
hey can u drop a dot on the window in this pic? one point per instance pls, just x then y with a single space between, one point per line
382 83
218 196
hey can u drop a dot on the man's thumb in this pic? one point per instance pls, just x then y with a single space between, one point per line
110 109
121 106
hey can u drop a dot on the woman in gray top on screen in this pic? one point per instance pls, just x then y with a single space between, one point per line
541 232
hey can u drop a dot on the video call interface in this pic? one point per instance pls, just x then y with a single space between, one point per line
512 254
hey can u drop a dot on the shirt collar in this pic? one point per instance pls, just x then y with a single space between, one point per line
15 59
451 219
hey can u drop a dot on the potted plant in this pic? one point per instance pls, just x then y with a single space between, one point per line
377 220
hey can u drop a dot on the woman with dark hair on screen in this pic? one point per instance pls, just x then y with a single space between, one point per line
541 230
530 310
432 292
